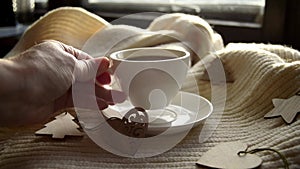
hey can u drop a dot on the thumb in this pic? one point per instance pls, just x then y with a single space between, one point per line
86 70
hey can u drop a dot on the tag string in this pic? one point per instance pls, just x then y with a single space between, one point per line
286 164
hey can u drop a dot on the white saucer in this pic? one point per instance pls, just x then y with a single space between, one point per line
189 111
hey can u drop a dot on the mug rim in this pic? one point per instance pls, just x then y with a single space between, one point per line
114 55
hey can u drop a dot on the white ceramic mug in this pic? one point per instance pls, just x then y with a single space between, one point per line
150 76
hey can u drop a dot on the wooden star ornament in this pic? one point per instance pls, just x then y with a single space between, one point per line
286 108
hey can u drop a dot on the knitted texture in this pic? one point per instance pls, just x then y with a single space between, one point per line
257 72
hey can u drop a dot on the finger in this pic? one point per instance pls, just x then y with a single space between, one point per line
102 104
103 79
80 55
86 70
103 65
88 101
88 89
67 48
110 96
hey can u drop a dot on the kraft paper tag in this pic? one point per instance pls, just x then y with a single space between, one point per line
225 155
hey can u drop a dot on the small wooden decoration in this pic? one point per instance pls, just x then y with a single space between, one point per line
61 126
226 155
286 108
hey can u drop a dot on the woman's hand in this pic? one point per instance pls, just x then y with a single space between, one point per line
39 82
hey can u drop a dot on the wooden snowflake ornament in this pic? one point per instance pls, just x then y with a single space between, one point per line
286 108
61 126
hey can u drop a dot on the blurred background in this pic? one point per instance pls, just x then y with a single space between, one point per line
259 21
